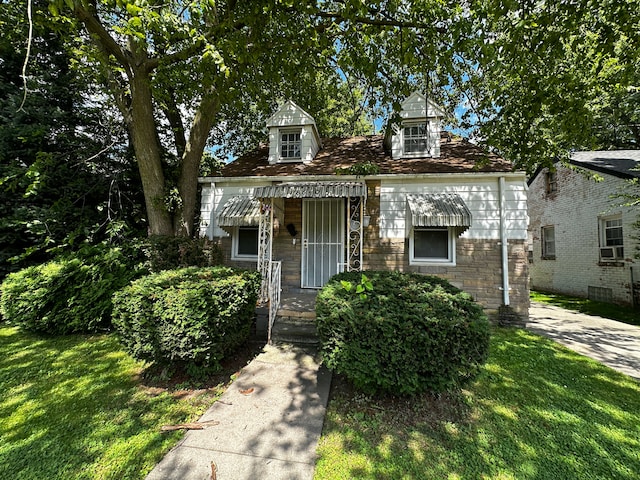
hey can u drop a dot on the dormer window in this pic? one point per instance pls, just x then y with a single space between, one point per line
417 135
291 144
416 138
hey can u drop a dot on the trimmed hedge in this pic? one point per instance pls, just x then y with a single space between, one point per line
408 334
192 317
70 294
168 253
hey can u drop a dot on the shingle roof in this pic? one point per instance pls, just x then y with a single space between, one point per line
456 156
620 163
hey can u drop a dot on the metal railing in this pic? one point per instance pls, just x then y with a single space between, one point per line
275 269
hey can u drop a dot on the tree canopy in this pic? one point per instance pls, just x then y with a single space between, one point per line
58 185
528 73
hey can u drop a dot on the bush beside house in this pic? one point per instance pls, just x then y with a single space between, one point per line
409 334
192 316
71 294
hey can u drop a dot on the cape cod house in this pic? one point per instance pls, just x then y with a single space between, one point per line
582 241
303 207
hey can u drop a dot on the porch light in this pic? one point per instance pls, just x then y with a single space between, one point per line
365 220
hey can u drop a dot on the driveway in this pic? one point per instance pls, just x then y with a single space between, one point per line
612 343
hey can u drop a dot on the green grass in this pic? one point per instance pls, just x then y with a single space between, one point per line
74 407
538 411
589 307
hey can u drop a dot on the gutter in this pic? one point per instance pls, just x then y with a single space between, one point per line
351 178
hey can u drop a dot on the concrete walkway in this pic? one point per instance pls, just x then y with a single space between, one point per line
270 420
612 343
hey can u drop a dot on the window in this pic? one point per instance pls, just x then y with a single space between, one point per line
245 243
290 144
549 243
416 138
551 182
611 239
431 245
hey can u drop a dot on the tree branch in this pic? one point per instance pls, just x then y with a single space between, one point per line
89 17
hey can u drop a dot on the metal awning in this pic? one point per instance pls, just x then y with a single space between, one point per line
312 190
439 210
240 212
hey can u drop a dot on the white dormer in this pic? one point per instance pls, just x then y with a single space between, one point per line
293 135
419 133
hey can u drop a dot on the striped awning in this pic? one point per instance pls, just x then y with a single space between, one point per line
439 210
240 212
312 190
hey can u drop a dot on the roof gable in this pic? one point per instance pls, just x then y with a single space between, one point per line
417 106
289 115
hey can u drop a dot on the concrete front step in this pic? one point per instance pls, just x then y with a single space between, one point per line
294 329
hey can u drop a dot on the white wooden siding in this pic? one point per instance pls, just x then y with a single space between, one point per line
482 198
214 198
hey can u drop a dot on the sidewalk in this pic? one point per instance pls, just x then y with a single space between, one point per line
270 420
612 343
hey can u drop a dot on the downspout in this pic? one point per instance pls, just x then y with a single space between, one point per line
504 243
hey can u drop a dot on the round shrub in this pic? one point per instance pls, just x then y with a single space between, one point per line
400 333
71 294
192 317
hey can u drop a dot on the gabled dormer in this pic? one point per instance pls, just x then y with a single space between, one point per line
418 134
293 135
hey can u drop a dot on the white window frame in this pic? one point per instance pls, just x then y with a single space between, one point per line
235 236
425 136
616 251
281 144
544 244
451 246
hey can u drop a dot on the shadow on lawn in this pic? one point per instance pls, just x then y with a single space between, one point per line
71 408
538 411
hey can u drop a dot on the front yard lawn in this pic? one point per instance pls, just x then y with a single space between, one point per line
75 407
538 411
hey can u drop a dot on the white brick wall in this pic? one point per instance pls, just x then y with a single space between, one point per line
574 211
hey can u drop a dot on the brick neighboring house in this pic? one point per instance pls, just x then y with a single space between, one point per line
425 201
582 242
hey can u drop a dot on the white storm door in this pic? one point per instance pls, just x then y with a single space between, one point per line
322 240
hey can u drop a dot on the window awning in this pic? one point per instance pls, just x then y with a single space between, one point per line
439 210
240 212
312 190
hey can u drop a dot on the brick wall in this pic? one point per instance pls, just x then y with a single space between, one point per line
574 211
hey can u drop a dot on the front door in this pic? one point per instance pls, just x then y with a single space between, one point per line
322 240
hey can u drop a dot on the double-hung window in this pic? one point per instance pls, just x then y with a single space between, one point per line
291 144
245 244
431 245
416 139
611 239
549 243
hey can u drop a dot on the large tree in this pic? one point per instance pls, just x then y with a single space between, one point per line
525 71
64 173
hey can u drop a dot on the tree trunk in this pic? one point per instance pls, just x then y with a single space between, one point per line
188 181
147 149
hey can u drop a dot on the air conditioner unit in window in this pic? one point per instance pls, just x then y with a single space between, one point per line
611 253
